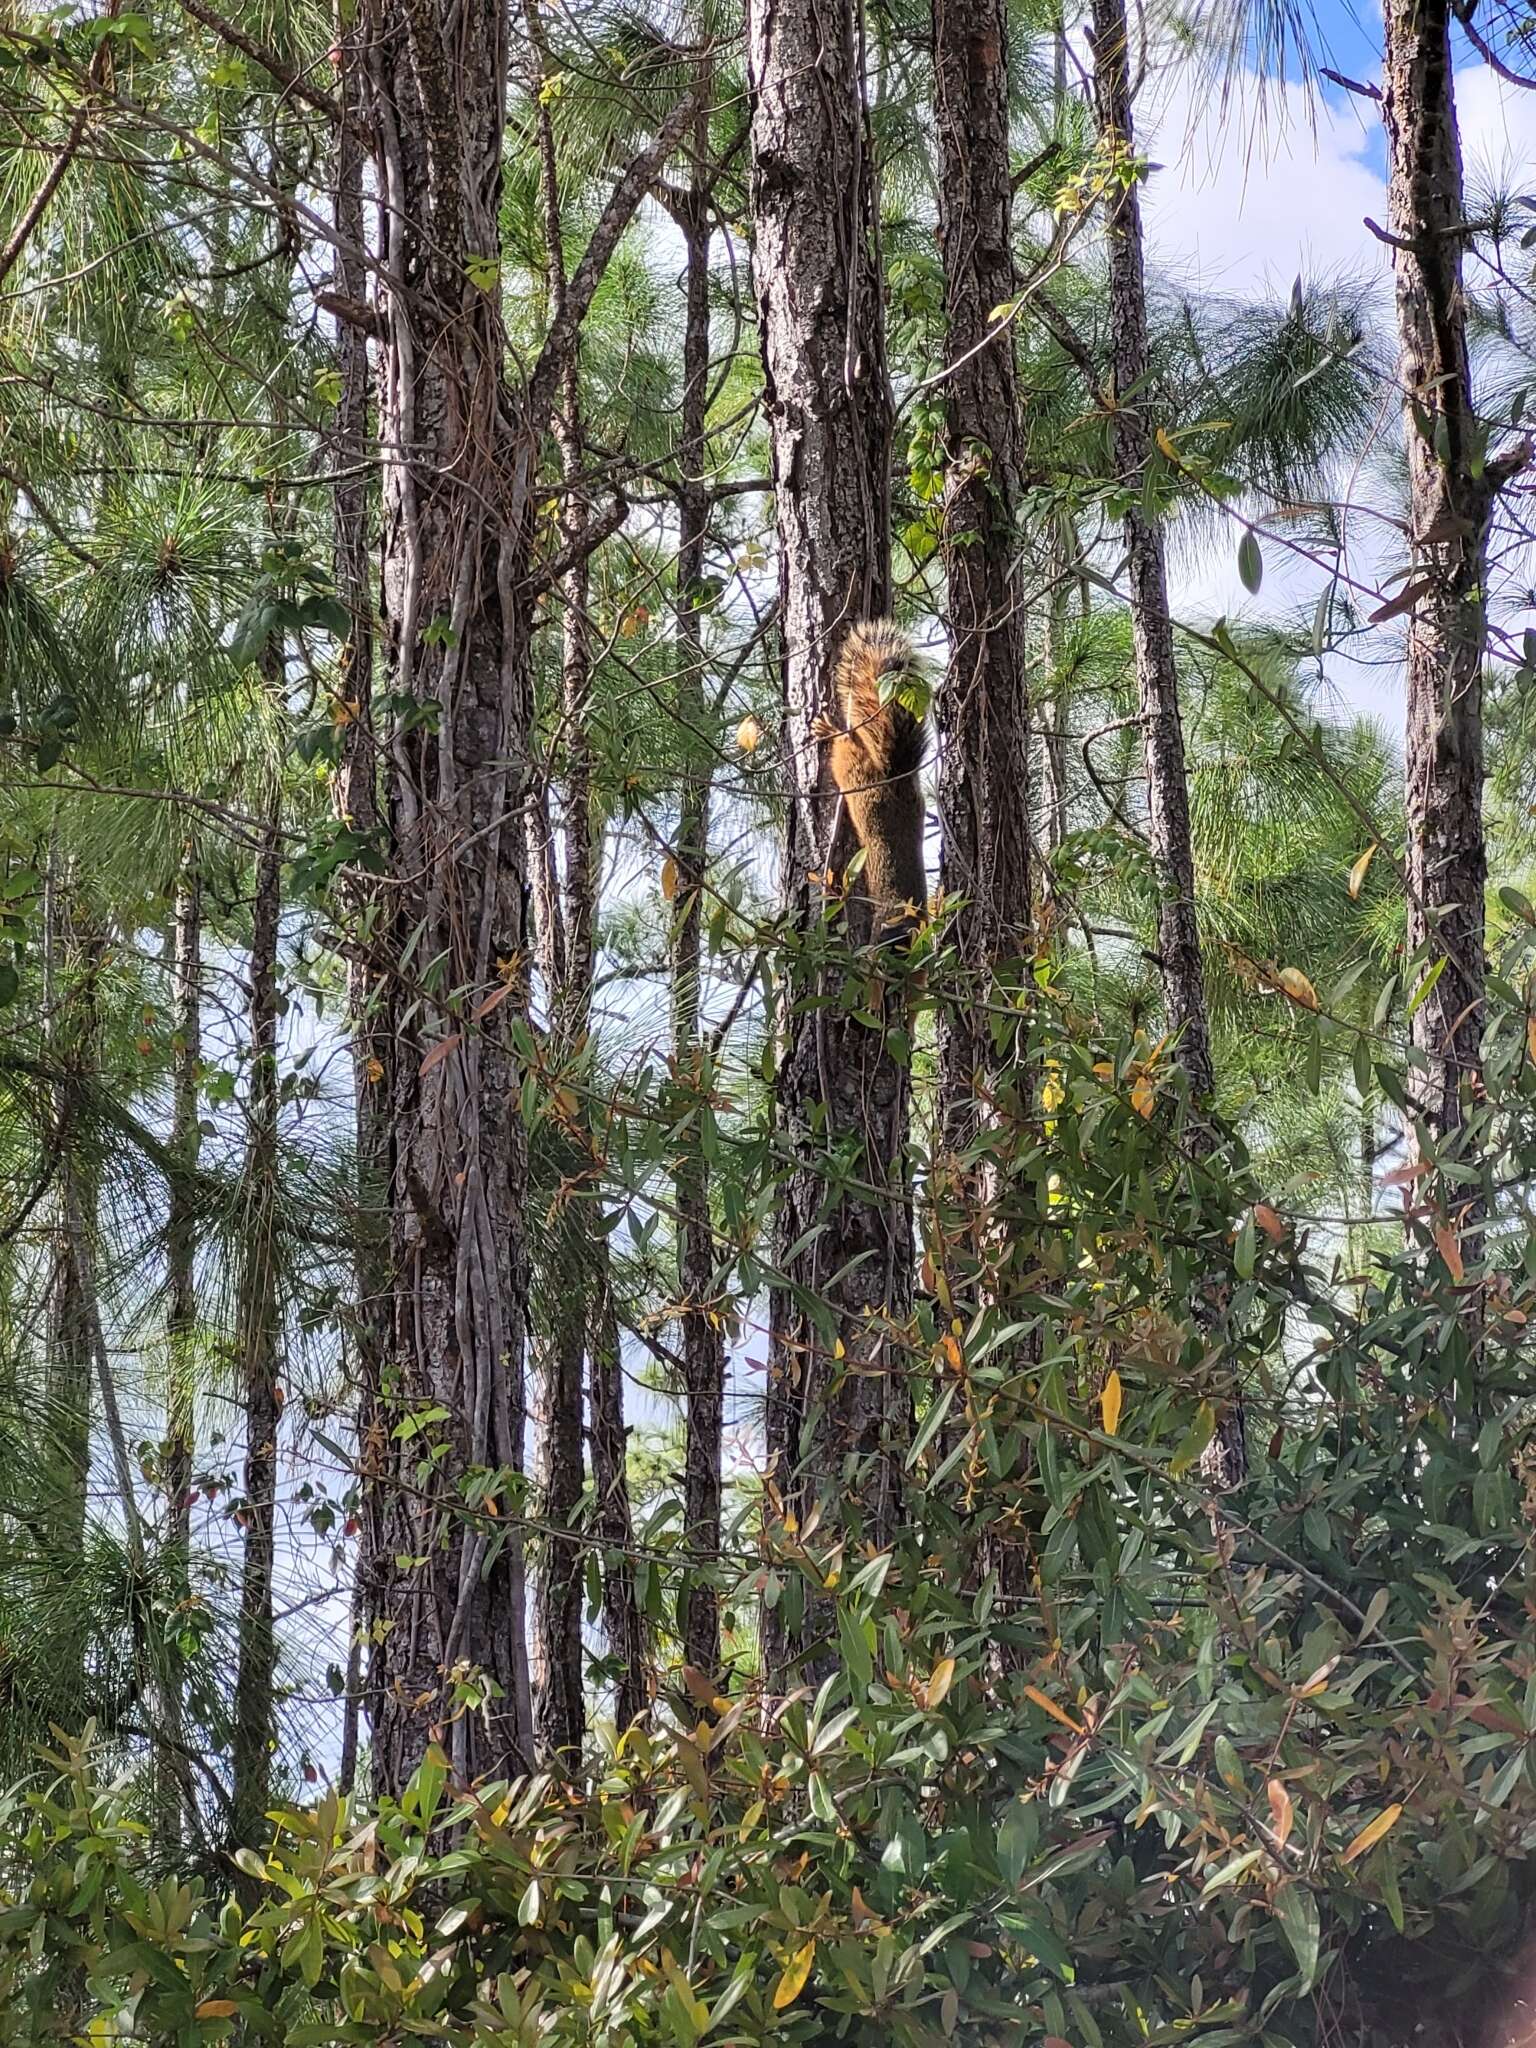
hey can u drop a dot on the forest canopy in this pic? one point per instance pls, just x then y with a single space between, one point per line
765 1225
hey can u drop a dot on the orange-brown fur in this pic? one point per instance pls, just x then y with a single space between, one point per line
876 754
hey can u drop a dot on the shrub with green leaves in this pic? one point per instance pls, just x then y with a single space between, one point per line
1087 1756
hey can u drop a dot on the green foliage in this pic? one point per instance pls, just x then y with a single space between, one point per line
1087 1764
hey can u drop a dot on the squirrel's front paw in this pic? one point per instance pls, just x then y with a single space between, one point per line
822 728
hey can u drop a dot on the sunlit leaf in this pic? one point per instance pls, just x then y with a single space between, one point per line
1044 1701
1111 1401
795 1977
1357 872
1281 1809
1373 1832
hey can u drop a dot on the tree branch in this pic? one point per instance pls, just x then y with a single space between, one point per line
268 60
575 552
52 179
588 275
46 518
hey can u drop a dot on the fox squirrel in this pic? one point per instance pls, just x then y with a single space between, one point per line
876 753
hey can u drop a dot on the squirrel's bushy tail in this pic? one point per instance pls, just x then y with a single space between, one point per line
872 650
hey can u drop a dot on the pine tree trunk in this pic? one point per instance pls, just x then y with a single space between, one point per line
461 457
1452 493
835 1424
1178 940
181 1223
1225 1461
560 1358
452 1617
700 1333
984 707
181 1261
623 1623
356 797
72 1046
1054 790
258 1343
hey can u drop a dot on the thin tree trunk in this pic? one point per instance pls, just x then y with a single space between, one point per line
181 1226
1151 628
836 1420
356 797
352 1697
1452 491
1055 791
699 1327
623 1623
181 1248
258 1342
559 1703
1178 940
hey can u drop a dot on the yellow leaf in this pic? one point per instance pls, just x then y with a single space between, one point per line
1530 1038
1372 1832
1297 987
1357 872
1143 1095
1111 1401
668 878
1282 1811
1168 448
943 1678
793 1981
374 1069
1056 1713
749 735
216 2009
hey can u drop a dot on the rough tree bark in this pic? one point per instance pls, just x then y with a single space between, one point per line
461 456
700 1334
1453 487
451 1623
984 793
984 707
835 1425
258 1337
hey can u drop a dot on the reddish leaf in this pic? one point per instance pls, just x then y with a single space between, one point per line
439 1052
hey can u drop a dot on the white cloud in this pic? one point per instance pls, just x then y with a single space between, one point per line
1242 205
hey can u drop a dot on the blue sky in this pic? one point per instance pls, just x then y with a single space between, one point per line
1251 193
